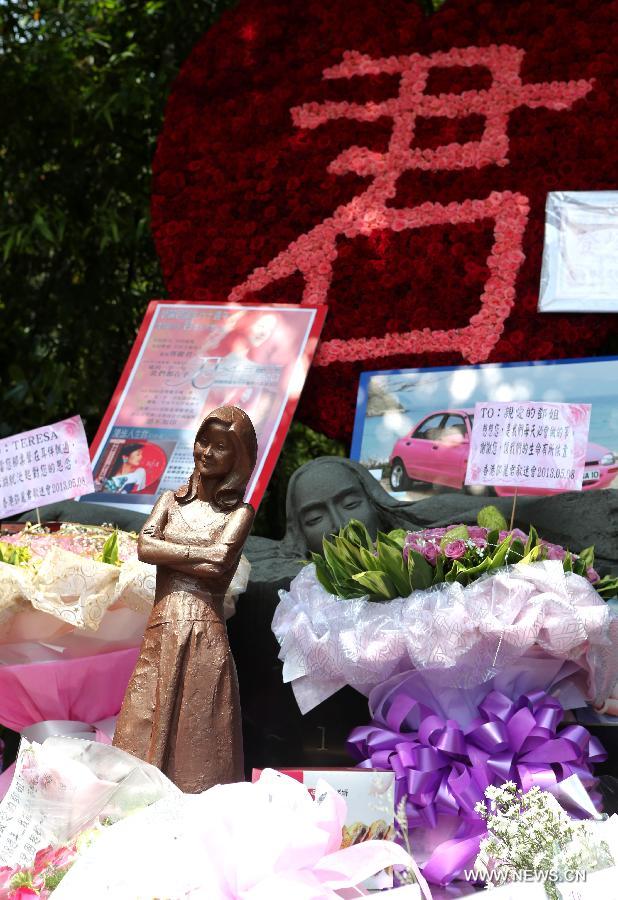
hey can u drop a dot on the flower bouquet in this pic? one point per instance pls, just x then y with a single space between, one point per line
65 792
271 839
76 591
73 606
463 601
62 591
470 643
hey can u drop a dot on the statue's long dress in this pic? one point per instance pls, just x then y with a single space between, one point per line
181 711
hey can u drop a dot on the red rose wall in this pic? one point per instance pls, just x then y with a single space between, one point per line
393 167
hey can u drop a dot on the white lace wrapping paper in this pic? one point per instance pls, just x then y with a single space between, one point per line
465 635
73 606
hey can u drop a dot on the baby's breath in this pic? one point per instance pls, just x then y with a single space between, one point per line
530 832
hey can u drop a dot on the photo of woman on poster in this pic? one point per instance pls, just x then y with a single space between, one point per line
128 475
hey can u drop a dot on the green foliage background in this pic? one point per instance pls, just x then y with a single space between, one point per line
82 93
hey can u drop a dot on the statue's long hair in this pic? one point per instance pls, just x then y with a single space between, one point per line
230 490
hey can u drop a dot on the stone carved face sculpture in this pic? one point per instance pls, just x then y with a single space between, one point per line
326 504
324 494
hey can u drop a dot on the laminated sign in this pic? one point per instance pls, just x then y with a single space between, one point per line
529 445
44 465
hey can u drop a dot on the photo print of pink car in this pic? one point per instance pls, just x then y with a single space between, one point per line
435 451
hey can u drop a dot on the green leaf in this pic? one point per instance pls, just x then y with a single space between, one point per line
348 553
322 572
377 584
458 571
109 554
41 225
533 539
391 561
357 533
420 572
586 557
369 562
491 518
518 552
398 537
533 555
607 587
499 558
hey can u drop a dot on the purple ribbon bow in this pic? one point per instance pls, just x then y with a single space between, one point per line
443 769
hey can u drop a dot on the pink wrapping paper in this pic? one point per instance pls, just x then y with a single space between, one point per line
84 690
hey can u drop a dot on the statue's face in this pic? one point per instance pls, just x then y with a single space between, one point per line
325 500
214 451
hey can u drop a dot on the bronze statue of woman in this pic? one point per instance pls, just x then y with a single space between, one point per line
181 711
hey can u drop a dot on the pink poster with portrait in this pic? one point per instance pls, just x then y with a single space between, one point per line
529 445
188 359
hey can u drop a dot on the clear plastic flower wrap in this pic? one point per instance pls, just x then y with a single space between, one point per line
465 635
65 785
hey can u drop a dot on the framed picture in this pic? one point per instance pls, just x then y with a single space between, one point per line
580 253
412 427
189 358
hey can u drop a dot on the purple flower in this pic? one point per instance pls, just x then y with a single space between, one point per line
554 551
592 575
477 533
456 549
412 542
431 553
434 534
479 542
517 534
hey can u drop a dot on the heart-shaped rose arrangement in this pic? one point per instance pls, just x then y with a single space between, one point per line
392 167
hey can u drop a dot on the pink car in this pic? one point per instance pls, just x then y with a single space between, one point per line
436 451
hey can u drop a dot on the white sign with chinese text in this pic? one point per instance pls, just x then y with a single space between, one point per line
43 465
529 445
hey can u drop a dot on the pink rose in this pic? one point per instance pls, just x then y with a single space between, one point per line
431 553
456 549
